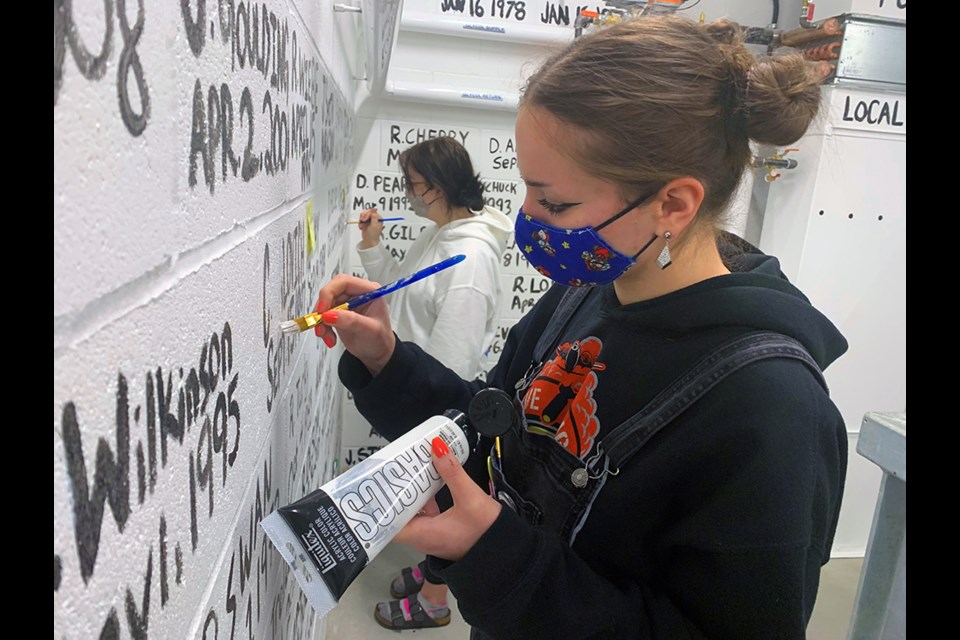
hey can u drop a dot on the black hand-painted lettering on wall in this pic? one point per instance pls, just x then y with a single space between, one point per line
178 558
295 296
385 36
475 7
512 257
521 304
214 635
199 140
135 122
164 585
556 14
225 15
110 480
496 345
138 621
111 627
262 41
93 67
141 464
504 205
231 599
403 136
530 284
559 14
207 395
503 9
253 559
215 367
196 34
874 112
500 186
508 9
59 47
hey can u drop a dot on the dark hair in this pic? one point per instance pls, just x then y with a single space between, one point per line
652 99
444 163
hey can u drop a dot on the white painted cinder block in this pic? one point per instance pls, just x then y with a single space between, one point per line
198 202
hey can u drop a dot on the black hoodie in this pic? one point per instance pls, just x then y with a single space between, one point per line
716 528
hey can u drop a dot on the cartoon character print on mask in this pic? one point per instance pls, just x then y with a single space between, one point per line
543 239
560 403
598 259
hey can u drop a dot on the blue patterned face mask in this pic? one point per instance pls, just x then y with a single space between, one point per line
574 257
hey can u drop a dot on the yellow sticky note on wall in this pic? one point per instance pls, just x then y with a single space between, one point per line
311 241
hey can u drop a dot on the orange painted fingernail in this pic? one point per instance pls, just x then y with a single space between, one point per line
440 447
329 317
329 340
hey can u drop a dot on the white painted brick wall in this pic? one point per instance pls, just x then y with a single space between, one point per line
181 414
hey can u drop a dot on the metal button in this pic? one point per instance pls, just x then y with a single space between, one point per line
579 478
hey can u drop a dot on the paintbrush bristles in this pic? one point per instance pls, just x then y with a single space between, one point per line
292 326
302 323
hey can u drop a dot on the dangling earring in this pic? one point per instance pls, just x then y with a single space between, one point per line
664 259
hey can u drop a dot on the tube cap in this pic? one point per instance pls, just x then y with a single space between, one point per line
492 412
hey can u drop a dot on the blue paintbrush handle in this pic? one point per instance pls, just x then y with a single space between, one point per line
403 282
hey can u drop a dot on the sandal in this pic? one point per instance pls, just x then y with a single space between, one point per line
419 619
405 584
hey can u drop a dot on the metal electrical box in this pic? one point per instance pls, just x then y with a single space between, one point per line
872 53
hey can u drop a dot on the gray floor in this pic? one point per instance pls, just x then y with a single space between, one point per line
353 617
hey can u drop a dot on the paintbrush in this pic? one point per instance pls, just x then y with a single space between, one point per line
380 219
313 319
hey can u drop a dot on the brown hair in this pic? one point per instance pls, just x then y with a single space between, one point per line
445 163
652 99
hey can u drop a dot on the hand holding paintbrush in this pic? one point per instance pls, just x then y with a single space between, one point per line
370 223
367 336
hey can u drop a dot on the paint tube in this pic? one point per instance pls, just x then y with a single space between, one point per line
330 535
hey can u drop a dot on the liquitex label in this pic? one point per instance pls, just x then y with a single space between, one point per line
341 526
315 547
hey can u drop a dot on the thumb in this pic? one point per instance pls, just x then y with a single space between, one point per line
450 469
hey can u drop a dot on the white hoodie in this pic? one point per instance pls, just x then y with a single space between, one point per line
451 315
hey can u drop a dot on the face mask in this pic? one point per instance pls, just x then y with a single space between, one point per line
573 257
417 204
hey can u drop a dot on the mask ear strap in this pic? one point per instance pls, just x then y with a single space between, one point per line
630 207
443 195
644 248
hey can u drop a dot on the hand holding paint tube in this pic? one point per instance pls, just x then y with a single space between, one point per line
449 535
330 535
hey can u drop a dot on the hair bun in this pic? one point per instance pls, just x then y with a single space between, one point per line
724 31
782 99
775 97
735 56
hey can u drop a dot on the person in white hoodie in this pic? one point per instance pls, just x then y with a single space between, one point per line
451 315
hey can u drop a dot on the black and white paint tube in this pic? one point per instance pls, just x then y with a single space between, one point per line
329 536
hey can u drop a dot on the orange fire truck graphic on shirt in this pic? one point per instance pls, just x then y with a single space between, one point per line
560 402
